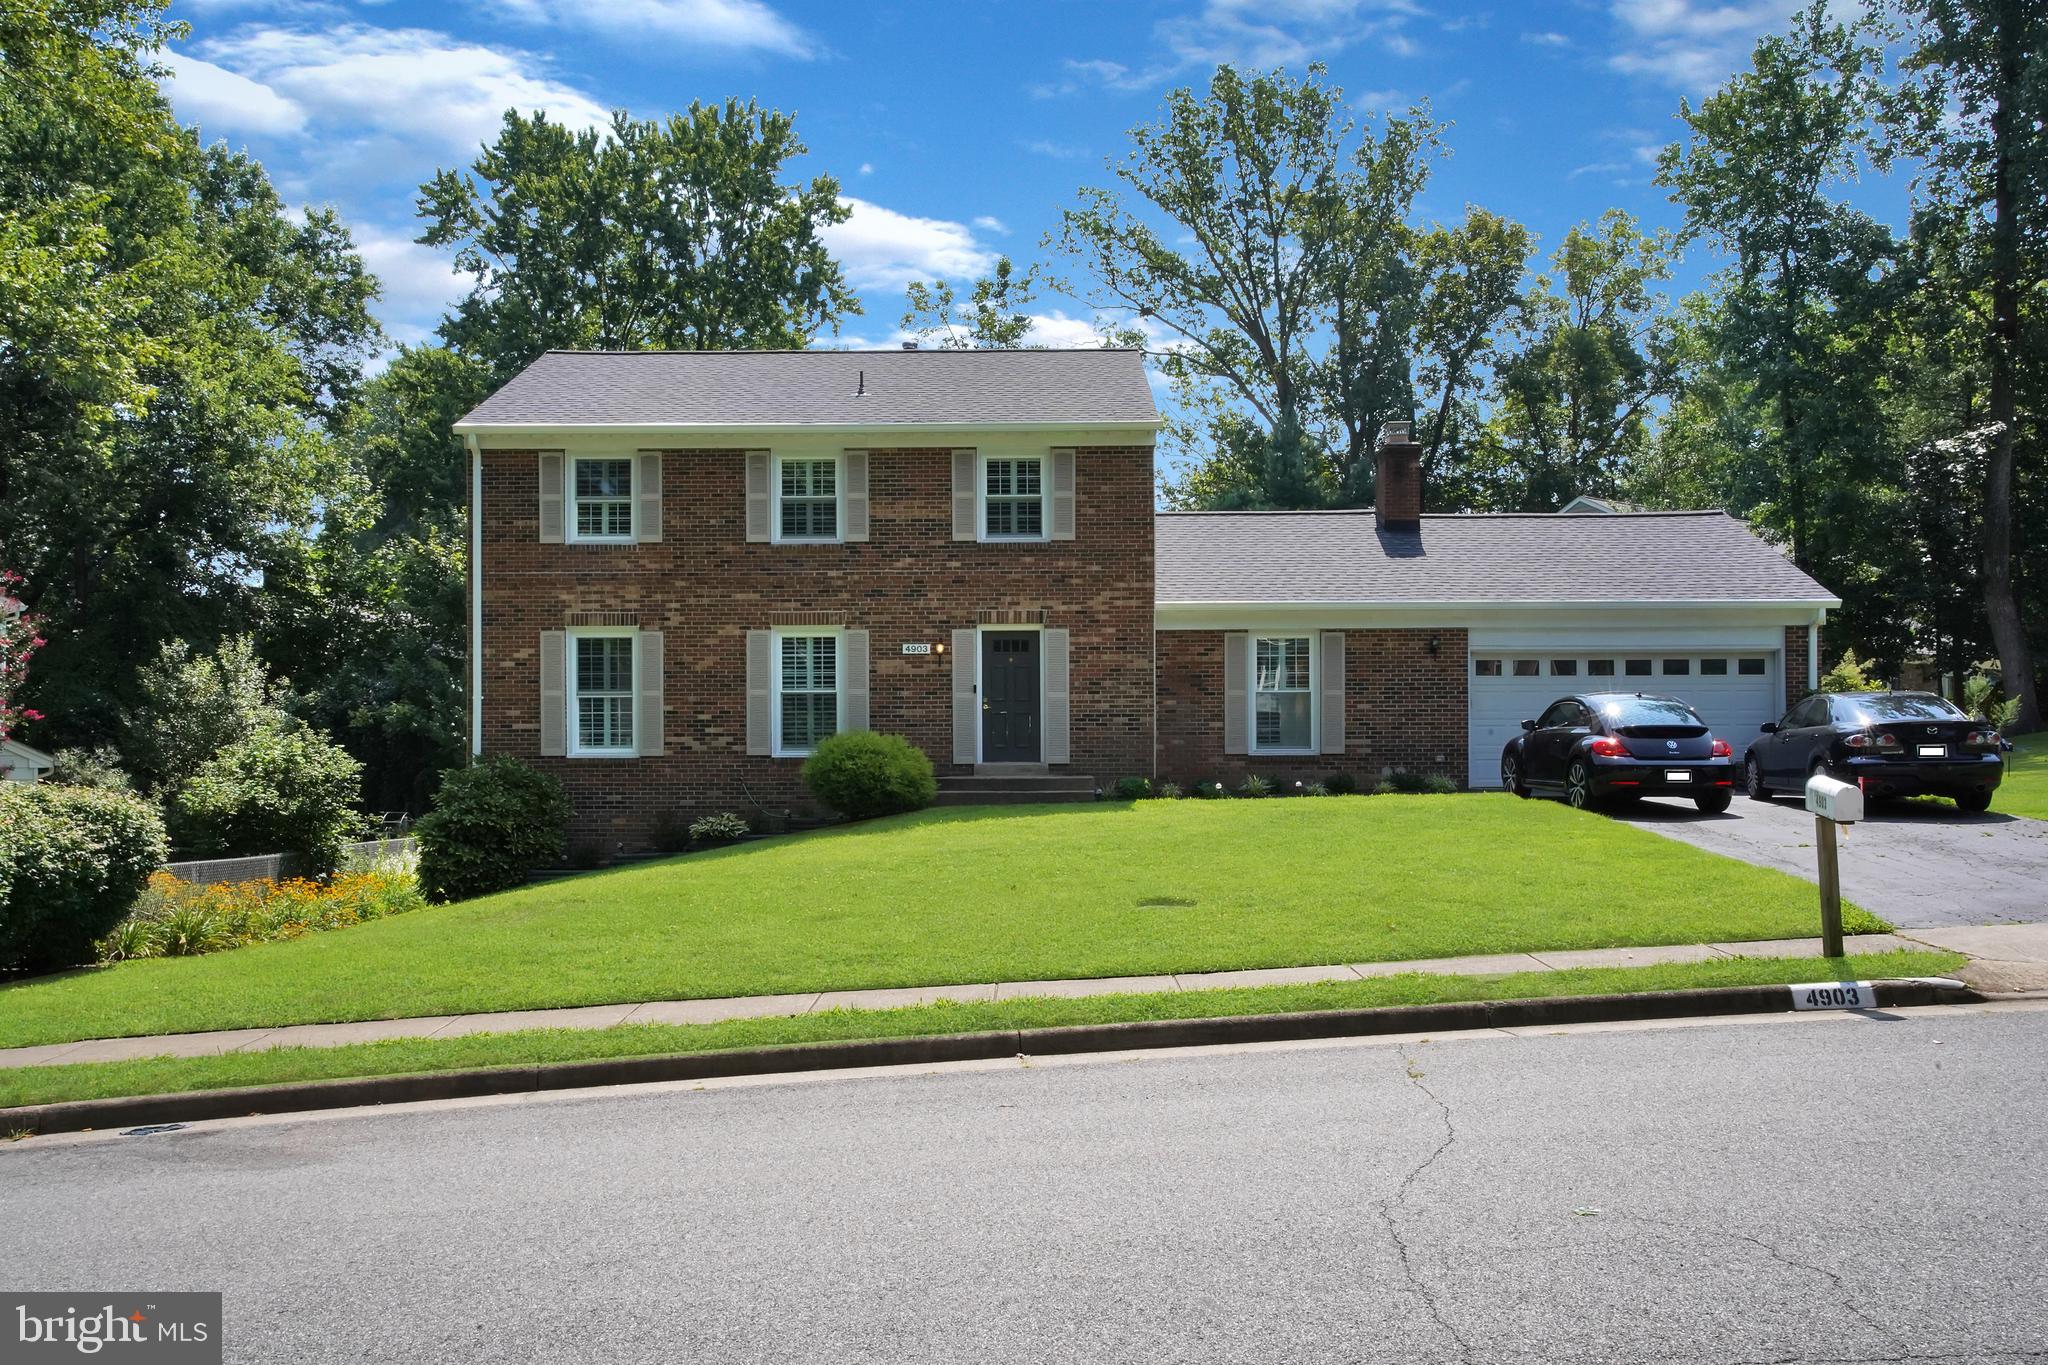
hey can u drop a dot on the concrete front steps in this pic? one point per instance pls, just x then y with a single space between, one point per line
1012 784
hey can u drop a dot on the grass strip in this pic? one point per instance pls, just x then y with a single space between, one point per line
395 1057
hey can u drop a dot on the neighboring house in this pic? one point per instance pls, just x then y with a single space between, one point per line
690 566
19 763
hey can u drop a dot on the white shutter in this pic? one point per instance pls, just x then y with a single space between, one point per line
649 666
853 679
1332 664
963 496
1063 493
1058 712
966 705
647 509
760 659
1236 682
853 472
757 497
554 693
551 462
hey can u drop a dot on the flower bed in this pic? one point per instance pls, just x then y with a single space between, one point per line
174 918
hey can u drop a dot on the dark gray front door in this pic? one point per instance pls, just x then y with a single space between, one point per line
1009 696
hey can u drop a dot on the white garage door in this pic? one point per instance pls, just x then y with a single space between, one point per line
1736 691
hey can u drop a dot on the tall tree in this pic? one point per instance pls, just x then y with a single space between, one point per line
1984 64
993 317
678 233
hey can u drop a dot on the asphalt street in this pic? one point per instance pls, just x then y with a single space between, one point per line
1798 1188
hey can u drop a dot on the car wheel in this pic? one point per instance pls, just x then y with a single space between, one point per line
1578 785
1974 802
1713 802
1753 780
1511 775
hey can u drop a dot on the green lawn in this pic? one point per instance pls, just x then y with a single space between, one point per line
165 1075
2025 788
992 894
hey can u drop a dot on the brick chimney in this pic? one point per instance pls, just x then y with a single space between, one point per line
1397 497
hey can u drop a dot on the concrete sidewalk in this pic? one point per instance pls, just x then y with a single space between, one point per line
2007 959
812 1002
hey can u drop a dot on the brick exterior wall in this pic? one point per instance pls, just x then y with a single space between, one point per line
1404 708
706 586
1797 641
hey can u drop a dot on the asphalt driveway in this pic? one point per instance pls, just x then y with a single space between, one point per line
1918 864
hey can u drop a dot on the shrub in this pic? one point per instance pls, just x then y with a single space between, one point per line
1343 784
722 828
1850 674
1316 789
1167 791
1978 690
176 918
670 832
1254 787
1130 789
1210 791
280 789
490 825
861 773
71 862
99 767
1401 781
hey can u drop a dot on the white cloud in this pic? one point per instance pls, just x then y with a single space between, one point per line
1693 44
209 95
419 282
414 86
1249 33
1058 151
989 223
867 168
728 25
883 249
1547 39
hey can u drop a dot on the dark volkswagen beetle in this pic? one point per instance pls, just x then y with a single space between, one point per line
1619 744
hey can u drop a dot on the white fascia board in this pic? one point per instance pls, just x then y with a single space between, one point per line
711 434
1235 615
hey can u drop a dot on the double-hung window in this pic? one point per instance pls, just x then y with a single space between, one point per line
806 690
1013 498
601 693
601 494
1283 694
807 499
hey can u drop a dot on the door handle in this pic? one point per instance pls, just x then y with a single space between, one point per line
984 706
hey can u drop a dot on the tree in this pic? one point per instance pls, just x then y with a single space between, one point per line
283 788
676 233
994 317
1474 273
18 640
1979 122
193 705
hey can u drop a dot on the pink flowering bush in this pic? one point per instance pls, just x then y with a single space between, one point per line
18 640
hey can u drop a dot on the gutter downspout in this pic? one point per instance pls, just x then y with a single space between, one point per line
476 595
1813 650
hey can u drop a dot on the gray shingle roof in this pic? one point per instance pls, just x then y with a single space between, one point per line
1330 557
806 388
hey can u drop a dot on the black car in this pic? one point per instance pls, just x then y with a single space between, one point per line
1620 744
1889 743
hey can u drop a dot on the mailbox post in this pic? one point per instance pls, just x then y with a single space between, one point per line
1832 803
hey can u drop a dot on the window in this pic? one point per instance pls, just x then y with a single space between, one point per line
1600 668
1677 668
807 500
1013 499
1812 711
1636 668
1486 668
1750 668
1283 695
1564 668
1880 707
1713 668
806 691
1528 668
601 693
1563 715
602 490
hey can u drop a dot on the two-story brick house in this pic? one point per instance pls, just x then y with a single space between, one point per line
689 567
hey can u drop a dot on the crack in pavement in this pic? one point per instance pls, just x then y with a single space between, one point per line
1399 1199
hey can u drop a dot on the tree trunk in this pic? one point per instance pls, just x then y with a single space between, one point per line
2001 603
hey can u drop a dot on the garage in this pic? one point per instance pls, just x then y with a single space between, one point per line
1734 684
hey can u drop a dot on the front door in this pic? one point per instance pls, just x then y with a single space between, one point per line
1009 696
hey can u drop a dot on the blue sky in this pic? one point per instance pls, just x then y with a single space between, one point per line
958 129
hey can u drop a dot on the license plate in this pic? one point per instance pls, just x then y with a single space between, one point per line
1674 775
1934 751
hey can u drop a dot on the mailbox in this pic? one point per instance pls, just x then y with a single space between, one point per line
1840 802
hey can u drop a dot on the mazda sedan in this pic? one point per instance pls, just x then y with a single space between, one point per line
1888 743
1620 745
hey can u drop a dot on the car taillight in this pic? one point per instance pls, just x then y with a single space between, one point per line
1722 749
1868 739
1981 739
1606 746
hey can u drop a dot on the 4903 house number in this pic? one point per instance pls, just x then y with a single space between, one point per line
1834 995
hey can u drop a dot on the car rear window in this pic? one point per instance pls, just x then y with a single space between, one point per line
1879 708
1633 713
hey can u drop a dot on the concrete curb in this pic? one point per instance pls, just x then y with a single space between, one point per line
307 1096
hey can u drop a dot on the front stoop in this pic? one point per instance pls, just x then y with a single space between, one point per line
1011 784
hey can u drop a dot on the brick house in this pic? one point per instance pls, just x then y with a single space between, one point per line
688 567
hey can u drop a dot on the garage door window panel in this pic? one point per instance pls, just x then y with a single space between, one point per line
1528 668
1636 668
1599 668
